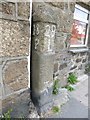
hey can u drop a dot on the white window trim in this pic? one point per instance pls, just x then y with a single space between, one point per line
81 8
82 20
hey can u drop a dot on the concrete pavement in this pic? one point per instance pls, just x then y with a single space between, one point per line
77 106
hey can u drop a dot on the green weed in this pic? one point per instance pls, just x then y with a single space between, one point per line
69 88
7 115
72 79
55 87
56 109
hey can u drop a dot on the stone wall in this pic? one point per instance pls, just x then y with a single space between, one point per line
78 63
64 20
51 58
65 61
14 51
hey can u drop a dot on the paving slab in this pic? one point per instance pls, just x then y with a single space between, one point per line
77 106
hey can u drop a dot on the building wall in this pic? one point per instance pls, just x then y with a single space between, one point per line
61 14
65 61
14 51
15 40
52 27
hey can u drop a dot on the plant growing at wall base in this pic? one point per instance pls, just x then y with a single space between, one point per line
55 109
72 79
69 88
7 115
55 87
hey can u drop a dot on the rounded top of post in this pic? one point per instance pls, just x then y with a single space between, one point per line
42 12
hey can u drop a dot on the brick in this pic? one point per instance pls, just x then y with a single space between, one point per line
8 8
84 60
15 74
62 66
74 67
15 38
14 100
55 67
23 9
78 60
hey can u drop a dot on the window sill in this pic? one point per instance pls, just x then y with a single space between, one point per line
78 50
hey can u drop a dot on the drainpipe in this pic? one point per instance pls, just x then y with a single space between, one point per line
30 18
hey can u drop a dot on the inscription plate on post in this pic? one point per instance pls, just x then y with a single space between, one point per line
44 36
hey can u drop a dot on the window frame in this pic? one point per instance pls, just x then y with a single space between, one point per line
85 21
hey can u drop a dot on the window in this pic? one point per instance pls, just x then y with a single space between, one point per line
80 27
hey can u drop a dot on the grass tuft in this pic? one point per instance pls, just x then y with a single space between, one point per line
69 88
55 87
72 79
55 109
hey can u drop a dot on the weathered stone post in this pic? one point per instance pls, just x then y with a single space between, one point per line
42 63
